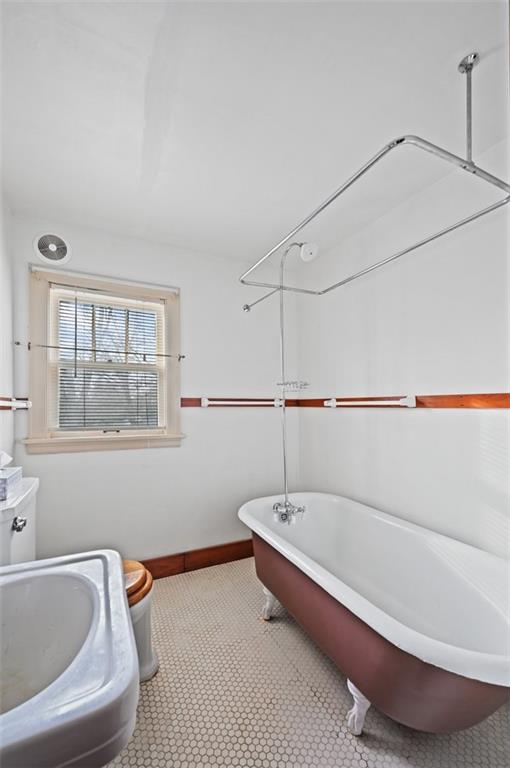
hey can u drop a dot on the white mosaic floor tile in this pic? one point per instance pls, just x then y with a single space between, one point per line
238 692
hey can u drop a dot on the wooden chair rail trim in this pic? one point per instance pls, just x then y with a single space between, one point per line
170 565
479 400
489 400
11 406
482 400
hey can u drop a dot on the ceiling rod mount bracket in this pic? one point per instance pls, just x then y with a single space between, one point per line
465 68
468 62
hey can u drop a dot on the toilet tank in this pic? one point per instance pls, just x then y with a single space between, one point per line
17 524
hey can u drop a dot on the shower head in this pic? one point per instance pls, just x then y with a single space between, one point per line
308 251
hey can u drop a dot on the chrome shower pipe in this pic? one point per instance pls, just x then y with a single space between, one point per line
282 372
282 400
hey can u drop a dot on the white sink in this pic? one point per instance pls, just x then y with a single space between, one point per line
69 667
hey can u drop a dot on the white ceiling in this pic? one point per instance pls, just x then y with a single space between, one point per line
219 126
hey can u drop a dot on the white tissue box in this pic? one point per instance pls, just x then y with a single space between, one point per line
10 478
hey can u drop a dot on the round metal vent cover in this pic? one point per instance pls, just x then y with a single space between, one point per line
52 249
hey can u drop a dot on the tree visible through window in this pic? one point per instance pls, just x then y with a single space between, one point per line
108 372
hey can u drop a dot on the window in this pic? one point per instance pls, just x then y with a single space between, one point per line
104 367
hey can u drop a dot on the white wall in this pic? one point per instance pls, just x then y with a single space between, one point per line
435 321
6 347
157 501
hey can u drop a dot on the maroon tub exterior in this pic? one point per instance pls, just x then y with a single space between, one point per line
410 691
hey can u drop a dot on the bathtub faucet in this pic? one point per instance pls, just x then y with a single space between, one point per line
286 512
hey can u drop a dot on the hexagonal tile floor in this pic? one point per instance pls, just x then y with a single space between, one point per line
235 691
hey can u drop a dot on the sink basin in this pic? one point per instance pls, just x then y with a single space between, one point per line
69 667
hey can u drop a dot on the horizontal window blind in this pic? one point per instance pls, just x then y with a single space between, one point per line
107 362
86 402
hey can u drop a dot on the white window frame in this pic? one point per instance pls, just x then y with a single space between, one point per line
43 437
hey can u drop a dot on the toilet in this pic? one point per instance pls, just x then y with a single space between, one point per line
17 523
138 581
17 545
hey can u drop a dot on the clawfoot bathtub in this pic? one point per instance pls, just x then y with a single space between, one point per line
417 621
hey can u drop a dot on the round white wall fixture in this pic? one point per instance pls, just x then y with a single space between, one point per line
52 249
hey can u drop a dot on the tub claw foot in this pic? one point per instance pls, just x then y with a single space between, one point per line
356 715
269 605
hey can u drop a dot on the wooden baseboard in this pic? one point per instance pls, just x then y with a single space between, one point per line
167 565
170 565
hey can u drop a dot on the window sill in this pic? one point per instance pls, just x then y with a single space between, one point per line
99 443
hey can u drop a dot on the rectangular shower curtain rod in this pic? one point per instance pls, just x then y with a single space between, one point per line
416 141
465 67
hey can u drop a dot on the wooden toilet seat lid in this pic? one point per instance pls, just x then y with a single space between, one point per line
138 581
134 575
